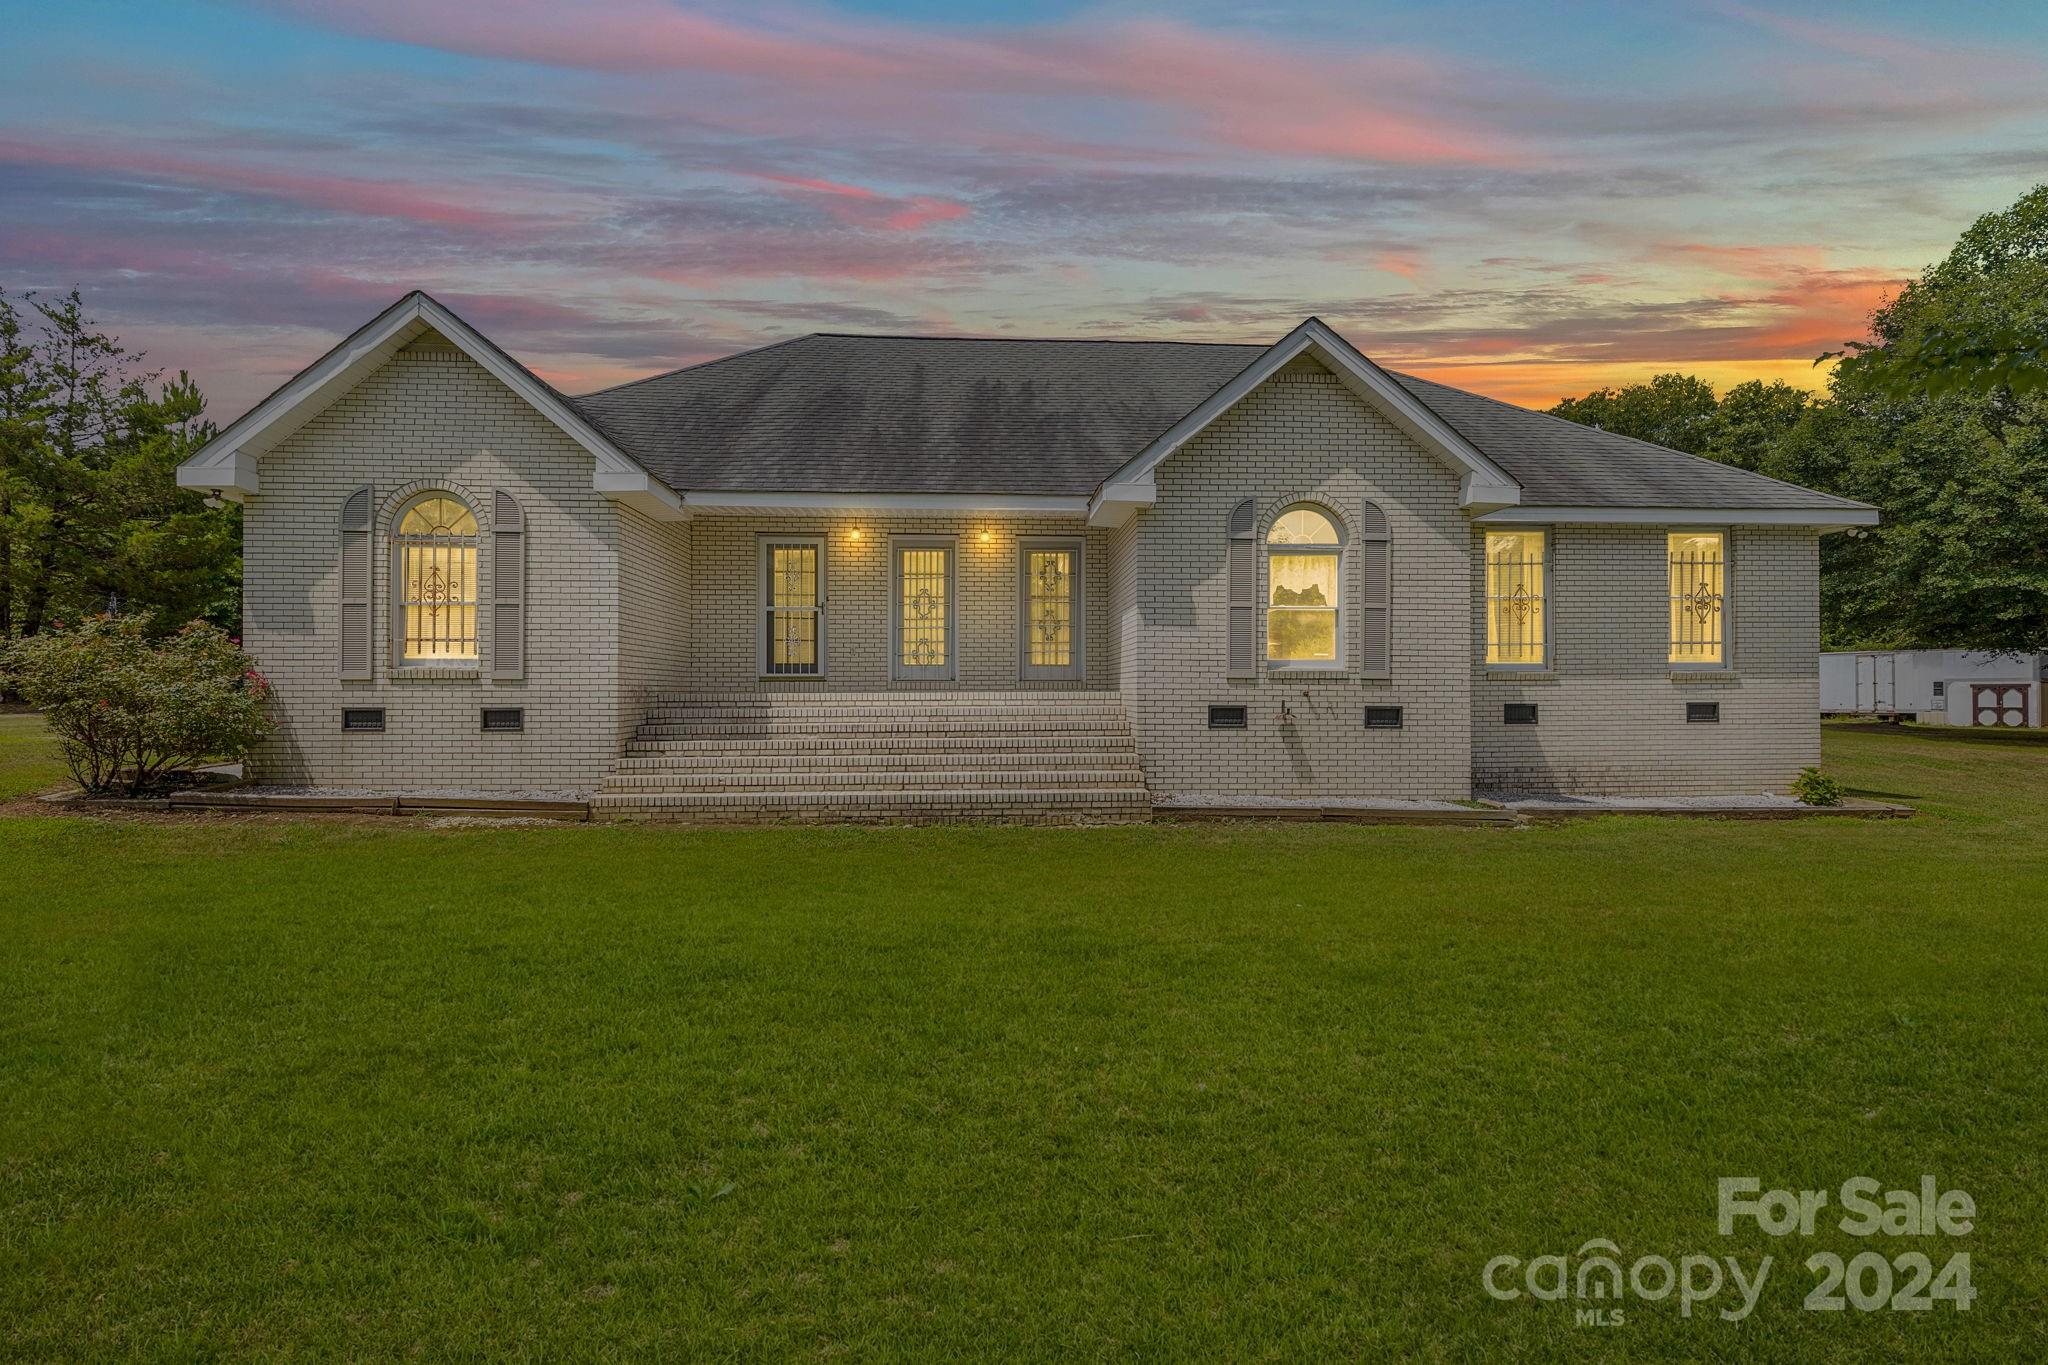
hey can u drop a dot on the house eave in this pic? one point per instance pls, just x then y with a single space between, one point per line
741 502
227 465
1818 518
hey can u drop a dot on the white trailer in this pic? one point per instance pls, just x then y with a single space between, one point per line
1934 686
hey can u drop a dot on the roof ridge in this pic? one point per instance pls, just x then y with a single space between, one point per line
1064 341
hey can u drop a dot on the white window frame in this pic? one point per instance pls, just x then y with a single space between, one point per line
764 545
1726 662
396 544
1342 644
950 670
1077 587
1486 589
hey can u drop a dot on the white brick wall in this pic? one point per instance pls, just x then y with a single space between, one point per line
431 418
726 593
622 607
1300 437
654 612
1611 709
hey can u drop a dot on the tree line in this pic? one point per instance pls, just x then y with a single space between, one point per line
1940 420
91 516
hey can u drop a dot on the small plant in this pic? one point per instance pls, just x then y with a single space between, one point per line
1815 788
130 708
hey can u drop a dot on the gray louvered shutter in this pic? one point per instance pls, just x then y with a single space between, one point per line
1242 574
1375 595
355 617
508 588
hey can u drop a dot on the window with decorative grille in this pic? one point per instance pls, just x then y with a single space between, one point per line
363 720
1518 713
924 609
437 543
1229 717
1382 717
792 608
1703 712
1516 629
1051 600
504 719
1698 565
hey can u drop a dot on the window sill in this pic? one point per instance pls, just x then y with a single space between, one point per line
1310 672
1531 673
436 673
1705 675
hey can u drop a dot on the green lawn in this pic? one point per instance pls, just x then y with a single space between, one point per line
28 760
1189 1092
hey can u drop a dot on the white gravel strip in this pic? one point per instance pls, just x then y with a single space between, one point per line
1206 799
457 793
1756 801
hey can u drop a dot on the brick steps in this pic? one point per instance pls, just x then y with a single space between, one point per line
772 779
894 756
1070 806
878 761
861 747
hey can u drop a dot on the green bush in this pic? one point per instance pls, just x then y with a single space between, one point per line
1815 788
131 709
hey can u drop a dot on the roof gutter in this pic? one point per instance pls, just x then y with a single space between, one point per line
739 502
1819 518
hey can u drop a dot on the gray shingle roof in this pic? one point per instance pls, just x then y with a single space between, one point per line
875 414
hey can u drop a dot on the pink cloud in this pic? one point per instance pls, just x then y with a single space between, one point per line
1406 264
1249 94
863 207
343 194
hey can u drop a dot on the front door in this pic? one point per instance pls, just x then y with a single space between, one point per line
922 612
1049 601
793 607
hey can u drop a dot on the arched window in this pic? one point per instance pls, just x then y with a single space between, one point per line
436 544
1304 558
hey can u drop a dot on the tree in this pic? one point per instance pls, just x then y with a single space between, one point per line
1675 410
91 517
1750 425
21 403
1975 322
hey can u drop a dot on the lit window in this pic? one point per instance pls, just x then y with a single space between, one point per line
1303 553
792 606
437 542
1515 605
1698 598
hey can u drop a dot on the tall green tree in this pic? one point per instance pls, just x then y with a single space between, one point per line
91 517
1675 410
21 405
1974 322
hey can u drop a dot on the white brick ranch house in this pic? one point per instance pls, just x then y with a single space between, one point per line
861 577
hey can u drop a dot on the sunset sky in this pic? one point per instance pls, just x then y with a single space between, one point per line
1525 199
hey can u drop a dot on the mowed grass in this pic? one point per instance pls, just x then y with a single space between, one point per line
28 757
1201 1092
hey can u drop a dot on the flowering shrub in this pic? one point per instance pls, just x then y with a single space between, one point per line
129 708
